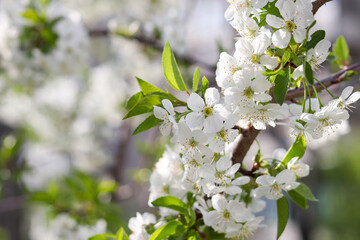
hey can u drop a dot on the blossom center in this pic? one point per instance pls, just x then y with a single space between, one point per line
208 111
226 214
290 26
193 143
255 58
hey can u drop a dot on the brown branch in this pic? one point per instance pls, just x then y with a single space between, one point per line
317 4
331 80
248 136
154 43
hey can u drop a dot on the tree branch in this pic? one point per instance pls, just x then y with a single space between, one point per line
331 80
152 42
317 4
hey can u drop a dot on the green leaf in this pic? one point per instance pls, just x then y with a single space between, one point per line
31 15
172 203
148 123
196 79
272 9
192 235
147 88
341 49
316 37
282 215
171 69
192 217
298 199
305 191
308 72
296 150
281 86
134 99
145 105
103 237
121 235
107 186
170 229
286 56
204 85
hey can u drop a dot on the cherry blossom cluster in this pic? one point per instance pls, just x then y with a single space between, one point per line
273 39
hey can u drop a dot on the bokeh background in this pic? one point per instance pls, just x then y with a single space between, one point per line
67 154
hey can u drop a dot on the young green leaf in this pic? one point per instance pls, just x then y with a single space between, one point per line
286 56
145 105
148 88
282 215
281 86
172 203
134 99
171 69
196 79
192 235
308 72
316 37
204 85
341 49
121 235
103 237
305 191
148 123
170 229
296 150
298 199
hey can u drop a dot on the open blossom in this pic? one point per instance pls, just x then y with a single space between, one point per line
295 19
138 226
167 115
247 90
238 7
206 114
346 98
218 177
260 115
245 230
193 143
226 213
225 135
272 187
252 53
226 67
300 169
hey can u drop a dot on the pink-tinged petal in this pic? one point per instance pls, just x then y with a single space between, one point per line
219 202
265 180
274 21
195 102
160 113
281 38
286 176
168 106
212 96
194 119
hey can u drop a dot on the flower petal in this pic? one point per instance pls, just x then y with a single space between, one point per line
281 38
195 102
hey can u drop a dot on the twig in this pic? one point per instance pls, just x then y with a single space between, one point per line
317 4
331 80
152 42
248 136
